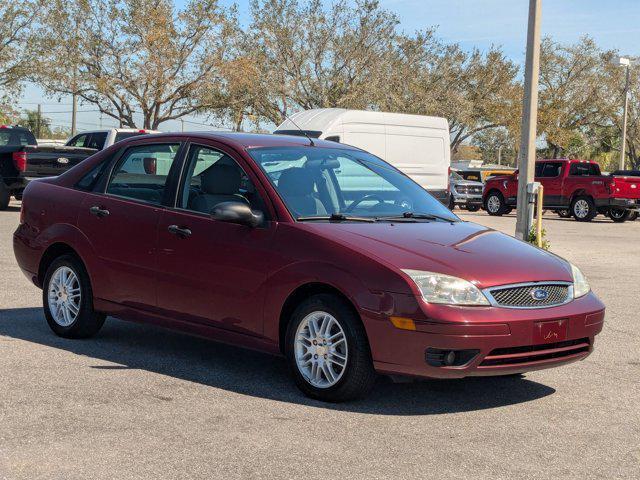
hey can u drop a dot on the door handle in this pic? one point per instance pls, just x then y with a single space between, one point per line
179 231
98 212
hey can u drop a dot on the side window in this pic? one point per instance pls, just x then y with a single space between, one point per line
96 140
212 177
79 140
90 179
539 169
551 170
584 169
142 172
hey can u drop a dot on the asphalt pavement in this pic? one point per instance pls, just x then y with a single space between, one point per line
140 402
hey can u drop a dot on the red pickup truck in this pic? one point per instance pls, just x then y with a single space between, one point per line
572 188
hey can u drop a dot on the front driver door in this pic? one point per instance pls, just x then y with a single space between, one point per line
121 221
213 272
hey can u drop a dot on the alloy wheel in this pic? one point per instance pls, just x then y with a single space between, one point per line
493 204
64 296
321 349
581 208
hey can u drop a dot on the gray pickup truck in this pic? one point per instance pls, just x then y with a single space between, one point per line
465 193
23 160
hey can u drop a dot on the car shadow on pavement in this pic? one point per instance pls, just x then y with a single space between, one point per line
123 345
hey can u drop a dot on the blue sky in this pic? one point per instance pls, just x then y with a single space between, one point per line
473 23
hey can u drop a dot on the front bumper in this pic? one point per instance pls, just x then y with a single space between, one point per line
502 336
467 199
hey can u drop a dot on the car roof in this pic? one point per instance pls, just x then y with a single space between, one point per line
256 140
565 160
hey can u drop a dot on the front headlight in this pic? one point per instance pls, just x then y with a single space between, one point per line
445 289
580 284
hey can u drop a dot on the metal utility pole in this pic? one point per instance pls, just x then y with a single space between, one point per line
527 157
626 63
39 122
182 124
74 113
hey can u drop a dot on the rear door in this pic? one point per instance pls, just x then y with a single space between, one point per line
121 220
550 175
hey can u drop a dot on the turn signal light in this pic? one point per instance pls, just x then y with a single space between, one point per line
403 323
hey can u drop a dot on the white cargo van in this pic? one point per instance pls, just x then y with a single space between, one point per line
415 144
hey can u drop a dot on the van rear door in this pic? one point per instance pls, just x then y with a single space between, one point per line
421 153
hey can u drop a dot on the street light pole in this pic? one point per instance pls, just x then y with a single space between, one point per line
527 157
625 62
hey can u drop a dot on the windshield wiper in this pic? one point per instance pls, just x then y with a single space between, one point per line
336 217
417 216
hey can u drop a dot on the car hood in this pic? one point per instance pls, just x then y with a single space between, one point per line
462 249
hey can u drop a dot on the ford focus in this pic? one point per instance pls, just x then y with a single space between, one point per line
313 250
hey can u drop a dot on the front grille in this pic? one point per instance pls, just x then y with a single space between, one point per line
474 190
531 296
535 353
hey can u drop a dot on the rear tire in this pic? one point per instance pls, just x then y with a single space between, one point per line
67 298
495 204
619 215
583 209
473 208
355 377
5 196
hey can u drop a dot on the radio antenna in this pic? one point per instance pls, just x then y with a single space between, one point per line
301 130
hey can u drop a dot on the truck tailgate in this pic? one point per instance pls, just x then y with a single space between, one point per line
626 187
54 160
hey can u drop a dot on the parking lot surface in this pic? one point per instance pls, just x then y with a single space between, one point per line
146 403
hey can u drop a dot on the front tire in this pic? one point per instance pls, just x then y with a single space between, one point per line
583 209
619 215
633 216
473 208
68 299
328 351
495 204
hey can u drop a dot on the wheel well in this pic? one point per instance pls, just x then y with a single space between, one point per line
579 193
298 296
51 253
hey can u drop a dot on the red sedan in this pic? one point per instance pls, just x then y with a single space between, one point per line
315 250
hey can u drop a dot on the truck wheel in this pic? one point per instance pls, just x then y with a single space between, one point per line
473 208
495 204
452 203
5 196
633 216
583 209
564 213
619 215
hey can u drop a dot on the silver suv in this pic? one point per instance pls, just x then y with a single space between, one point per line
465 193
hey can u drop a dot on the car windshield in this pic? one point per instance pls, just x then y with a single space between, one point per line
338 184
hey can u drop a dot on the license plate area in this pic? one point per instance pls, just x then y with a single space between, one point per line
550 332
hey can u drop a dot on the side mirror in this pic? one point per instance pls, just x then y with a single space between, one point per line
237 212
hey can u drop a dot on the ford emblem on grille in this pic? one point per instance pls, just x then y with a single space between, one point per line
539 294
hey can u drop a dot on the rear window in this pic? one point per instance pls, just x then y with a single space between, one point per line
584 169
10 137
124 135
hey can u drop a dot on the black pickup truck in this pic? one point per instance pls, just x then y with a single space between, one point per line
22 160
